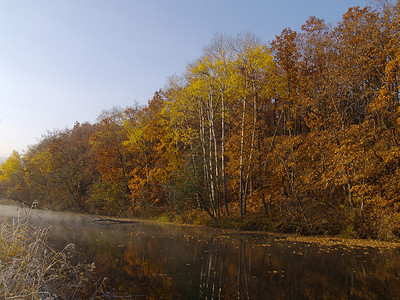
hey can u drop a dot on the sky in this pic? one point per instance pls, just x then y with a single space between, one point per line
65 61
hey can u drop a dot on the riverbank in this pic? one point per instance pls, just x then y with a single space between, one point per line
254 225
238 228
322 240
260 223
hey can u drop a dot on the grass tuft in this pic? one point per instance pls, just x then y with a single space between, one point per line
31 269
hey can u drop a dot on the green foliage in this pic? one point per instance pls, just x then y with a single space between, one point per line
108 198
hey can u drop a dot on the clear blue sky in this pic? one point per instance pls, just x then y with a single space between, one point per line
63 61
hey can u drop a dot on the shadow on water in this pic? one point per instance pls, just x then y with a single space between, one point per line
159 261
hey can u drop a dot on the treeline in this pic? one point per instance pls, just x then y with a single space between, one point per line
300 134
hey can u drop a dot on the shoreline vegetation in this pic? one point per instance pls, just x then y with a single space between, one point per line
31 269
322 240
297 135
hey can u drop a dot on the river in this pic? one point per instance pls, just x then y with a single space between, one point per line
146 260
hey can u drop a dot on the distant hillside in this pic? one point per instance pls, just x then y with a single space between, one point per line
2 160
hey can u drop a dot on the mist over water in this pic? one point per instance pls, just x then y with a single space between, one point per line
40 217
162 261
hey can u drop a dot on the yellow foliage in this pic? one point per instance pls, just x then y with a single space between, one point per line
10 167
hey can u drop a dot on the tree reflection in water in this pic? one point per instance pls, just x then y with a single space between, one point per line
168 262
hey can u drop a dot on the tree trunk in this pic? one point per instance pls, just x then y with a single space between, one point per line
241 187
223 155
253 135
216 168
204 150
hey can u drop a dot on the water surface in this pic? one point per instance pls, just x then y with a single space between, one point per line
148 260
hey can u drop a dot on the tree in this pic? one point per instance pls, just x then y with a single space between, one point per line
113 160
286 54
12 181
73 166
255 77
154 151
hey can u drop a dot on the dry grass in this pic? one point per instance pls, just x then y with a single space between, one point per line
31 269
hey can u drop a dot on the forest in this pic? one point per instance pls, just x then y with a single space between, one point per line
298 134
